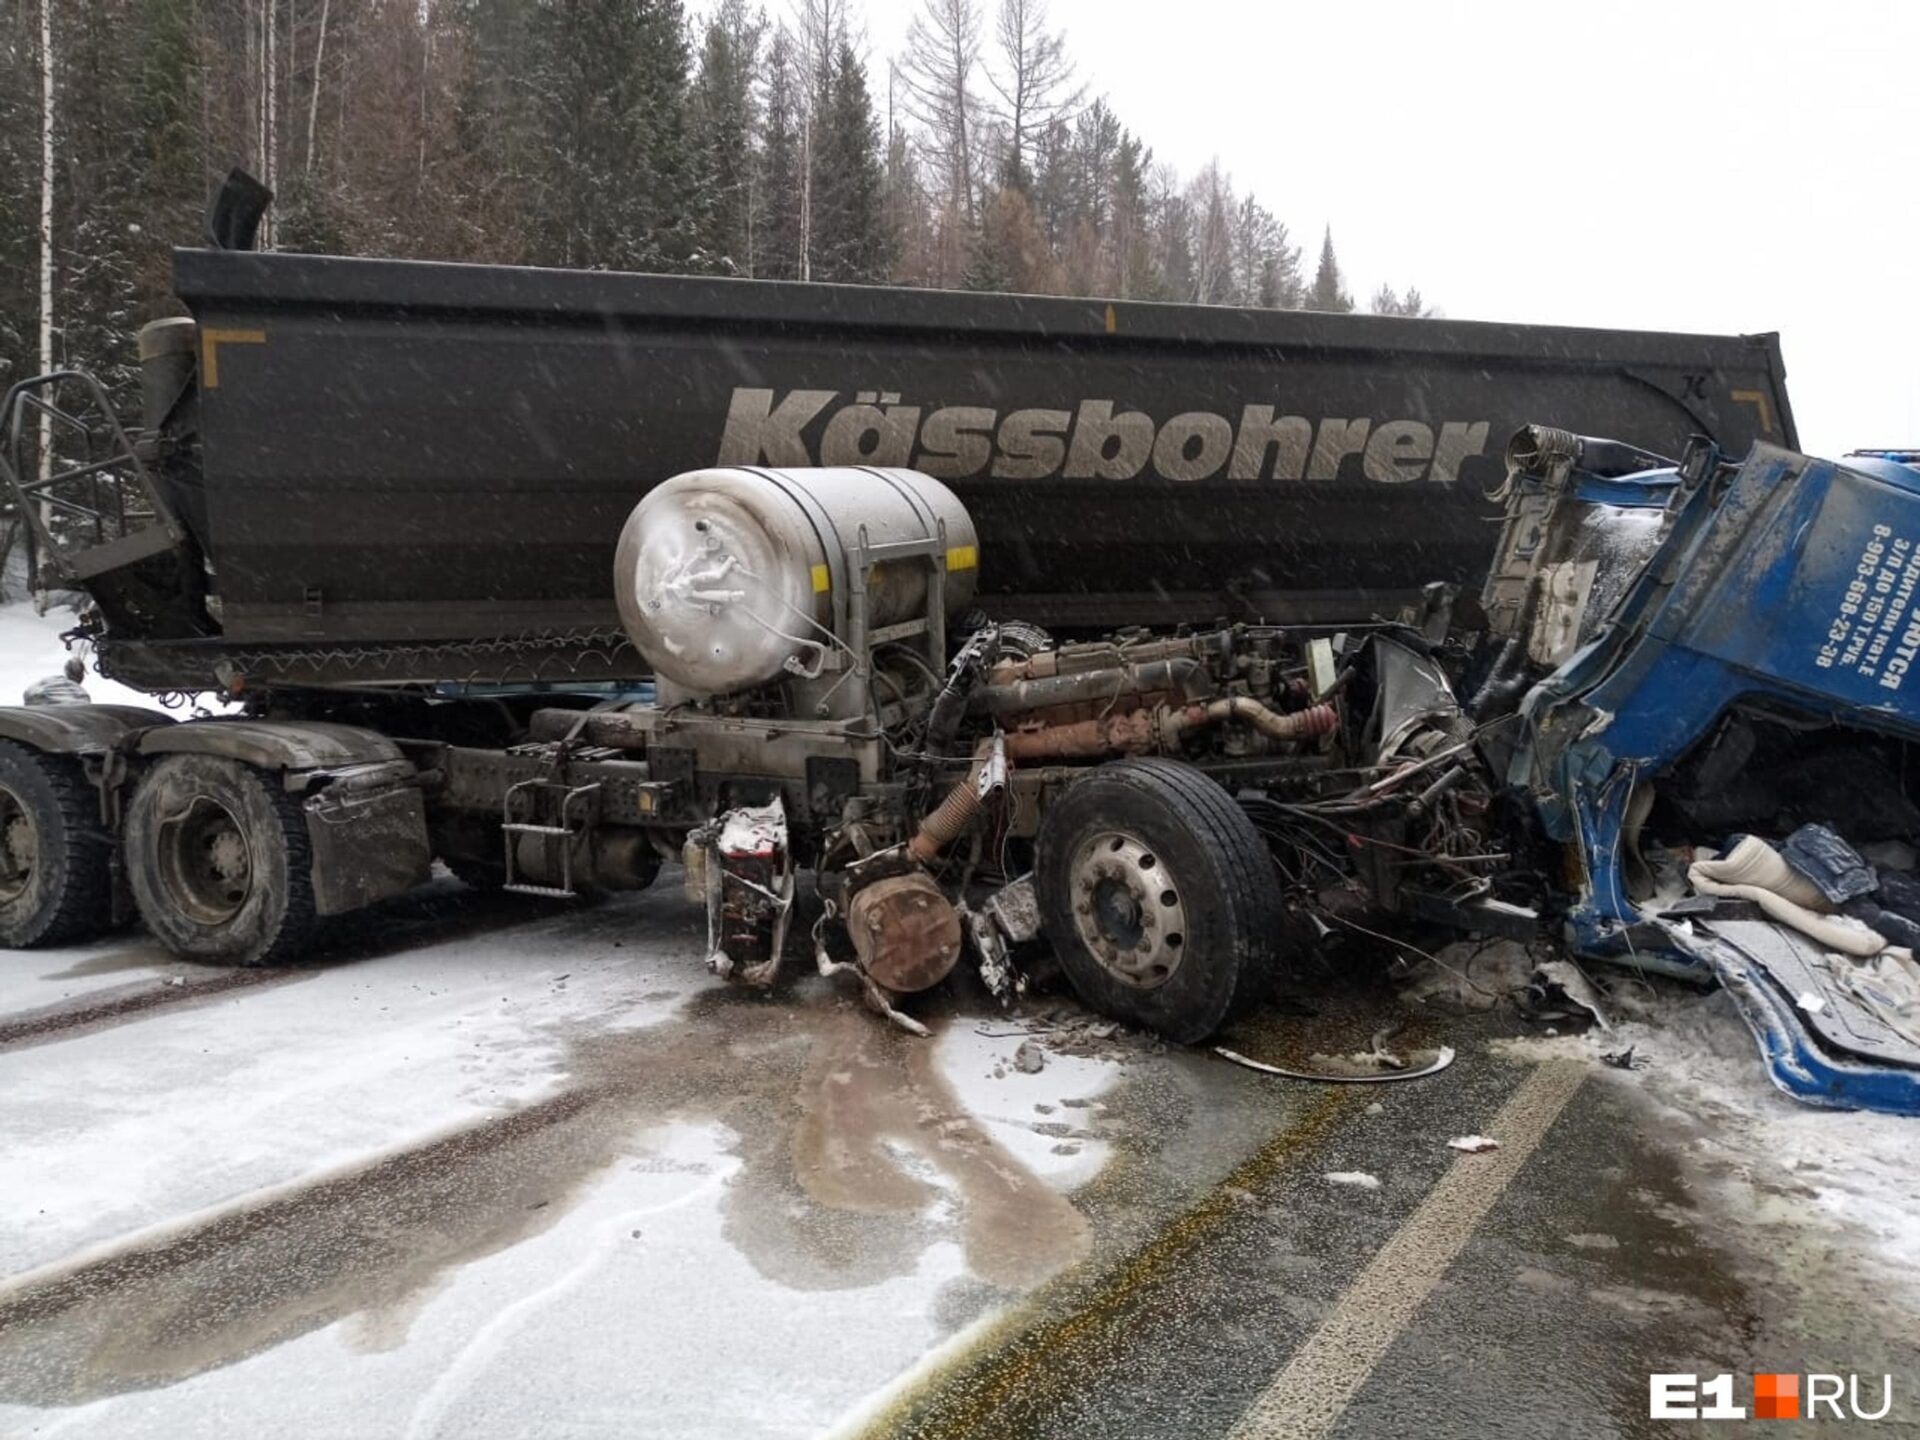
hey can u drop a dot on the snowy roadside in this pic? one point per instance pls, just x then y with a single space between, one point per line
31 649
1800 1181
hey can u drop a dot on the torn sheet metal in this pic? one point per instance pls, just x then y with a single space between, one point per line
1833 1030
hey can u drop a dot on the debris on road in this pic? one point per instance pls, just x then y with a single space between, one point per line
1473 1144
1029 1059
1418 1065
1566 983
1358 1179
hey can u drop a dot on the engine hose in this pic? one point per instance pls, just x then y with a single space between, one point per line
1307 724
950 706
947 821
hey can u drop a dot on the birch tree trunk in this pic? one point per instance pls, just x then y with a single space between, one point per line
313 99
272 92
46 274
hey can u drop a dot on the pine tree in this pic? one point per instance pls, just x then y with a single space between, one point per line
610 86
1130 234
722 108
495 129
852 238
777 238
1329 292
97 229
168 137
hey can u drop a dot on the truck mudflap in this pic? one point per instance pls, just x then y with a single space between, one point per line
1831 1032
369 840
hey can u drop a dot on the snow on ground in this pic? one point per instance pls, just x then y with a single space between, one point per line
651 1249
1790 1173
1041 1118
200 1105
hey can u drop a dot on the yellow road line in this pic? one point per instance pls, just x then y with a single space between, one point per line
1310 1394
1028 1356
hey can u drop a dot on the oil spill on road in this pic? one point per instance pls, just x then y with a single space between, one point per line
846 1133
872 1105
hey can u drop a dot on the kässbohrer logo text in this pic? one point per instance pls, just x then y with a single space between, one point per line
1093 442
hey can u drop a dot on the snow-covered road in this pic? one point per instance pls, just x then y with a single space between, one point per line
548 1168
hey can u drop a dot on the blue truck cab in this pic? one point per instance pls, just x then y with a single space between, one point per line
1762 655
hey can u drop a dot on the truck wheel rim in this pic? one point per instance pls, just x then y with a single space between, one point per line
19 847
205 862
1128 909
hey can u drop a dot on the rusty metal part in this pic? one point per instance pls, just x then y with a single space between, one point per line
1107 655
1307 724
1129 733
1097 709
1139 731
879 1001
905 932
1182 676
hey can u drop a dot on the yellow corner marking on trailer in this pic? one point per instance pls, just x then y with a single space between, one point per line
963 557
1757 399
1113 321
822 582
210 343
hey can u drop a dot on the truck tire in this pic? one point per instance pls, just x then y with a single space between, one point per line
1159 897
219 862
56 859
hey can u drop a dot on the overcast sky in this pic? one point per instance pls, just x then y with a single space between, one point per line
1678 166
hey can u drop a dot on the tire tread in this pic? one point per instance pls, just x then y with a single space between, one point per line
86 896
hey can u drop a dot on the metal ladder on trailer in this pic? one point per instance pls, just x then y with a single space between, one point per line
88 501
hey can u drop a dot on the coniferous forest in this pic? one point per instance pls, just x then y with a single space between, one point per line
621 134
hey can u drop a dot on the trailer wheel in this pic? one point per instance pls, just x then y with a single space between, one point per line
56 859
219 862
1159 896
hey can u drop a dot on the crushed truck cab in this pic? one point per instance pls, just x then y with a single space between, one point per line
1757 671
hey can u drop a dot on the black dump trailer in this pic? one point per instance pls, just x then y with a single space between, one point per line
405 472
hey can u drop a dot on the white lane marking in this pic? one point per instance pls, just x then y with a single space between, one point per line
1310 1394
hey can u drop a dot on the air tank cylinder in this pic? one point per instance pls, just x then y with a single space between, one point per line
727 579
168 351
